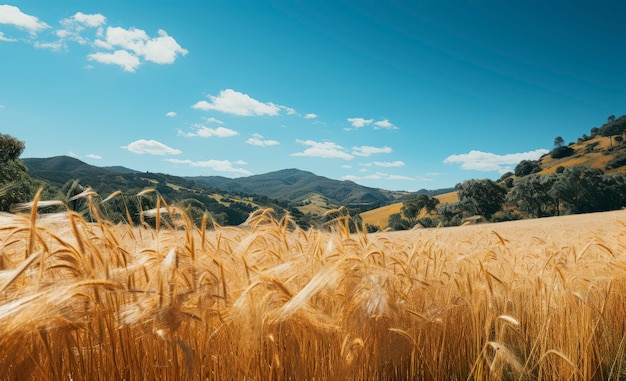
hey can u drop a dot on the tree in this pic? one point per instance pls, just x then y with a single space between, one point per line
481 197
14 180
413 206
396 222
580 189
610 119
527 167
558 142
531 194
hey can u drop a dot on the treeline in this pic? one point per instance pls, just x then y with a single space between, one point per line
572 190
528 194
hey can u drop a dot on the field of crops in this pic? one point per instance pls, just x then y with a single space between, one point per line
534 299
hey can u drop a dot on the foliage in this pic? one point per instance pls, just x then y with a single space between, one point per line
527 167
15 183
532 195
413 205
558 142
480 197
396 222
561 152
583 190
617 161
450 213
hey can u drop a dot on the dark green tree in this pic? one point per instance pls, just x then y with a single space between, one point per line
558 142
15 183
481 197
527 167
581 189
531 194
413 205
396 222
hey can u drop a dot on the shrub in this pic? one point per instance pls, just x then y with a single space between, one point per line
616 162
561 152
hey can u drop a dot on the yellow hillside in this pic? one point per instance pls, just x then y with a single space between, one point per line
594 153
380 216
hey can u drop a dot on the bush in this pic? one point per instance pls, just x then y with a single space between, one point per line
561 152
616 162
505 215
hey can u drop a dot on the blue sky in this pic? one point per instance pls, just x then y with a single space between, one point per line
396 95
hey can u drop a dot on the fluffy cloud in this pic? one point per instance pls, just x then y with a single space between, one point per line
491 162
360 122
367 150
389 164
151 147
257 140
326 150
233 102
127 61
93 156
385 124
217 165
206 132
310 116
171 114
92 21
213 120
160 50
11 15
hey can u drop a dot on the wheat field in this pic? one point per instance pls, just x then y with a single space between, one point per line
524 300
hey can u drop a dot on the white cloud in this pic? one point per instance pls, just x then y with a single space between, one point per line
151 147
127 61
385 124
389 164
171 114
289 110
6 39
216 165
213 120
378 176
310 116
11 15
54 46
257 140
346 166
138 44
367 150
206 132
490 162
327 150
360 122
93 156
92 21
233 102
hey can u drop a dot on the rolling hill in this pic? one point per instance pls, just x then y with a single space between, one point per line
304 188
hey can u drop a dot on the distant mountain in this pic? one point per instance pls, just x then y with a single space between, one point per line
296 185
59 170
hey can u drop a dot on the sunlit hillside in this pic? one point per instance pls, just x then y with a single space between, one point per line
595 153
533 299
379 216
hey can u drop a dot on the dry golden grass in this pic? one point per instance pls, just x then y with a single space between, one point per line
534 299
380 216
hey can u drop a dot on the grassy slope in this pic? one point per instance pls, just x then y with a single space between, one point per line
380 216
597 158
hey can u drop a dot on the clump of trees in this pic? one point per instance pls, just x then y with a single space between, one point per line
15 183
